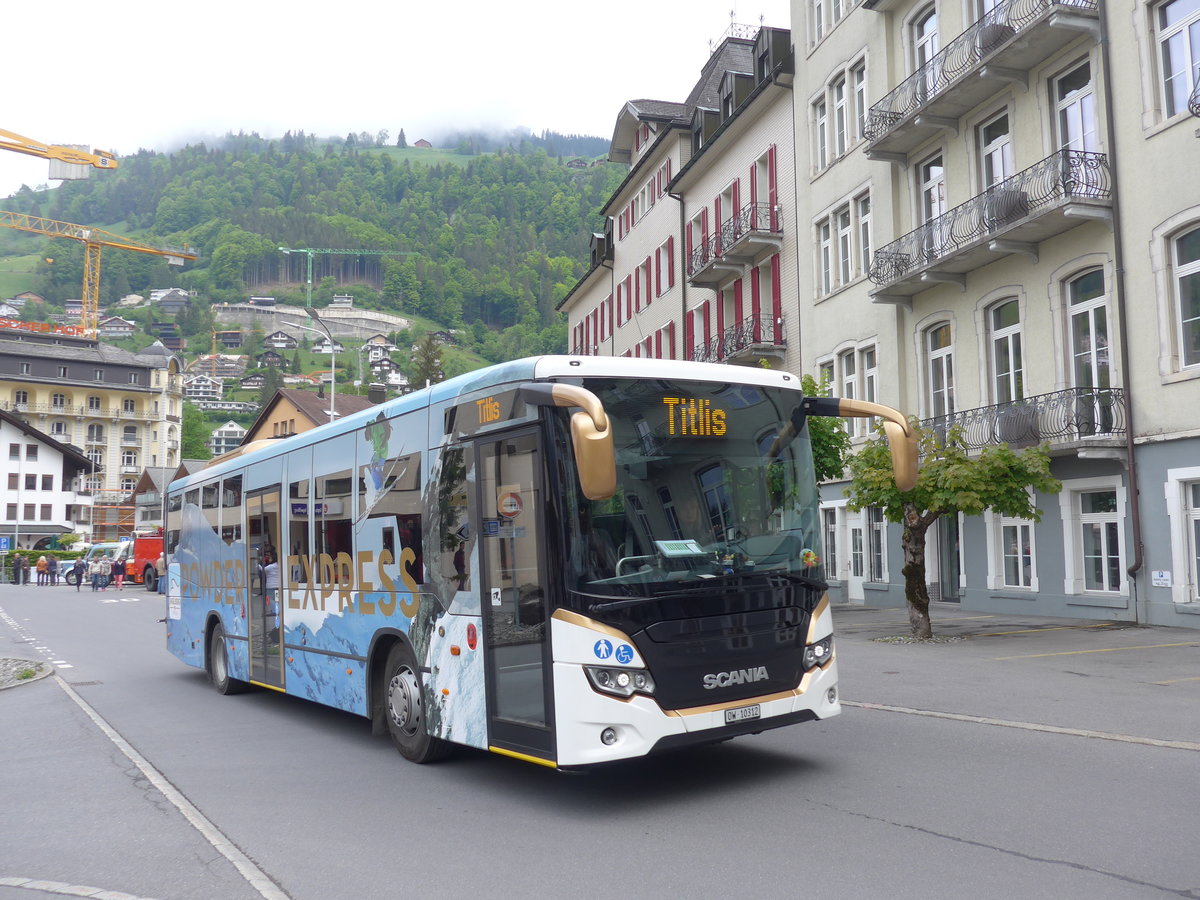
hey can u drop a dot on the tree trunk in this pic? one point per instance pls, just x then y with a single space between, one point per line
916 591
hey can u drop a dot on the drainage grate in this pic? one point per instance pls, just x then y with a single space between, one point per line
83 683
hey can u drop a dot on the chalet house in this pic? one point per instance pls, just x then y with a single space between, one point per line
423 144
227 437
24 297
378 347
203 387
8 310
271 358
171 301
252 382
116 327
222 365
324 344
230 340
280 340
292 412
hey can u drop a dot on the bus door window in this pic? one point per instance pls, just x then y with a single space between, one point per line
262 564
449 541
510 492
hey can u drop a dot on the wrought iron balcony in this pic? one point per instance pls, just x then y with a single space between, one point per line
1003 45
1060 418
751 340
742 240
1194 100
1013 216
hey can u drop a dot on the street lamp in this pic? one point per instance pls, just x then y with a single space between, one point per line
309 253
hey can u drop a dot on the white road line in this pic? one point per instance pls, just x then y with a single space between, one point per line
256 878
61 887
1028 726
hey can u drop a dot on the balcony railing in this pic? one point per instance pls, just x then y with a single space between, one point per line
758 337
1061 417
990 40
68 409
1194 100
742 240
1024 199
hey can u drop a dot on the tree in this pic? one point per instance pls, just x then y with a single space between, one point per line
195 433
401 140
272 381
295 367
828 436
950 482
426 366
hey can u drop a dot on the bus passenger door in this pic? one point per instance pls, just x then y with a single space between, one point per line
512 541
264 610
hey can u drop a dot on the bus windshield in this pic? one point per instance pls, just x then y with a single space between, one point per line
710 485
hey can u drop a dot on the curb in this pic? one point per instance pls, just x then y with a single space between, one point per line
10 667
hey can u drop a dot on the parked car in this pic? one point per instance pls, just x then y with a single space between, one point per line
106 548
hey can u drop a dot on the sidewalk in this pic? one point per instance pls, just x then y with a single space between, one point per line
1088 675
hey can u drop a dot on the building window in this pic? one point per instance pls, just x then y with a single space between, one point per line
62 371
846 96
1017 554
1008 373
863 205
14 481
858 77
876 544
843 244
995 148
21 398
829 519
95 434
940 388
818 10
839 116
98 375
58 429
826 249
1178 24
129 434
853 374
925 43
1093 515
128 484
932 188
1088 329
1075 110
1186 258
96 457
28 511
45 511
10 512
58 401
47 482
821 132
714 488
31 452
93 404
31 482
14 451
134 378
128 406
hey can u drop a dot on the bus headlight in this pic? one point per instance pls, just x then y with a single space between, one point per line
620 682
818 654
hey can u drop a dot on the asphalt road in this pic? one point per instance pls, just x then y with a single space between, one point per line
1033 758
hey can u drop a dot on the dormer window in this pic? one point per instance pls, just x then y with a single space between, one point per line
735 88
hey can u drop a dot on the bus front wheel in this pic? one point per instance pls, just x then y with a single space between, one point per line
218 664
404 709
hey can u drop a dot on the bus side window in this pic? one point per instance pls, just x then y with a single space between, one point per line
299 466
333 532
449 540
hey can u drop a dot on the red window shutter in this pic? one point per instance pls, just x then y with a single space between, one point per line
637 294
689 341
776 300
628 297
658 272
707 320
717 212
738 312
671 262
646 270
671 336
773 197
720 312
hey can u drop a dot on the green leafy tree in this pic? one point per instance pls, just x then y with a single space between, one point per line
272 381
195 433
828 436
949 482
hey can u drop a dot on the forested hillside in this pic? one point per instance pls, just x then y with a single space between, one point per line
495 239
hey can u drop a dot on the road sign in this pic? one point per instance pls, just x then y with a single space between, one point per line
4 543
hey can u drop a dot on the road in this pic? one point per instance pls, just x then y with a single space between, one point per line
939 780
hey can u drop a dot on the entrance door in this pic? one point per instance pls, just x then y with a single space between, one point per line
856 532
265 613
947 558
512 540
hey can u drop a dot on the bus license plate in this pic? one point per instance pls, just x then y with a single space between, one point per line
742 714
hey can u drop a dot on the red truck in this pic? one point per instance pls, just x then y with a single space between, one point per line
145 551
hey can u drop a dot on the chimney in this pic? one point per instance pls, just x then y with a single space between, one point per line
376 393
321 390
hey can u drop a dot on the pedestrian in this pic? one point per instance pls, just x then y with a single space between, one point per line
98 571
41 571
79 570
52 570
118 571
18 566
270 585
160 572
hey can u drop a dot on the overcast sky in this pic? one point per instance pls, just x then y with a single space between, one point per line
142 73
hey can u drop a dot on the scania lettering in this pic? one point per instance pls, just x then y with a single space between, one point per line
567 560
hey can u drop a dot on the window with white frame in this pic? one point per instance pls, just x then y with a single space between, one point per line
95 434
829 528
93 404
1008 370
995 150
843 244
876 544
21 398
853 374
1185 253
664 267
840 141
1014 562
818 19
858 78
129 458
58 429
821 133
825 14
1093 516
939 388
1178 31
1075 110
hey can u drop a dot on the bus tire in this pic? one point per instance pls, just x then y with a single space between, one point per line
150 578
404 708
218 664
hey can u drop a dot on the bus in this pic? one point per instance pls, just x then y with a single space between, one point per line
568 560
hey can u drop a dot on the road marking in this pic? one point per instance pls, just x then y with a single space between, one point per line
1047 628
1177 680
61 887
1100 650
1029 726
254 876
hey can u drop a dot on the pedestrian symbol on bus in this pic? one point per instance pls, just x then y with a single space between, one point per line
603 649
624 654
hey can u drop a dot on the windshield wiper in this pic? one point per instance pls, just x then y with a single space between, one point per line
709 586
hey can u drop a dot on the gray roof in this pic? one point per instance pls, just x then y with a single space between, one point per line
79 352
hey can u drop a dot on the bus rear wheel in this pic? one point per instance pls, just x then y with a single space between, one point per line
404 709
218 664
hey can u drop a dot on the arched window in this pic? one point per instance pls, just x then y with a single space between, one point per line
1004 336
1087 300
128 405
939 348
21 398
1185 250
129 434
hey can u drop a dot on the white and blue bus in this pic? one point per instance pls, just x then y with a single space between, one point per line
569 560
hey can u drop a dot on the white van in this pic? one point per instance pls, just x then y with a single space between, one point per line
107 548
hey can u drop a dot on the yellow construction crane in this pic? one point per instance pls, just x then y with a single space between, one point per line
94 239
74 157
